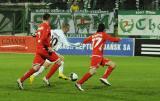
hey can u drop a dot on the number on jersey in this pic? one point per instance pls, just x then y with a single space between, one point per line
96 42
54 41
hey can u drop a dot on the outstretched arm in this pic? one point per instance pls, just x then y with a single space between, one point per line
87 40
111 39
67 43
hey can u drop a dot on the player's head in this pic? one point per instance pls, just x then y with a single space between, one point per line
65 27
74 2
101 27
46 17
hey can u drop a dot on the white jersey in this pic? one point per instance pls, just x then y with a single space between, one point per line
58 39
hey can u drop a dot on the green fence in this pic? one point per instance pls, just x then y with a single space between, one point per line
12 20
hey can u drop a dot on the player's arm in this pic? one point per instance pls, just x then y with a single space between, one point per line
87 40
67 43
110 38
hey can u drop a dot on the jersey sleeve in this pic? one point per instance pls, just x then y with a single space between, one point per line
110 38
67 43
87 40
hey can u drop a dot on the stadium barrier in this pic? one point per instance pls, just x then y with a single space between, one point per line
26 44
123 48
147 47
17 44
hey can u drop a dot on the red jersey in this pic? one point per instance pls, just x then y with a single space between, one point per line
43 36
98 41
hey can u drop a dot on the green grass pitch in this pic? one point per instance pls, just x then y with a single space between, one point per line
134 79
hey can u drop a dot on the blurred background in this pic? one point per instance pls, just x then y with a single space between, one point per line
15 15
137 20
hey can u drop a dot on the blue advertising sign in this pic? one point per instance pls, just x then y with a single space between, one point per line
123 48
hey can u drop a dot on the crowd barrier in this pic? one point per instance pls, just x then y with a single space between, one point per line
26 44
17 44
123 48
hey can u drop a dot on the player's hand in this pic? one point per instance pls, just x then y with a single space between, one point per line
33 35
50 49
78 44
119 39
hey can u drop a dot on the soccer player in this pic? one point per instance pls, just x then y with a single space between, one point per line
98 41
43 52
58 39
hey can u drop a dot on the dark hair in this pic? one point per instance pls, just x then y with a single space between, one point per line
101 27
46 16
65 25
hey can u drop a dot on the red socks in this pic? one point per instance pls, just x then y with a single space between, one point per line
84 78
88 75
27 75
107 72
52 70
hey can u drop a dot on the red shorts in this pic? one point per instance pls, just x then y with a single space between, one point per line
41 56
98 61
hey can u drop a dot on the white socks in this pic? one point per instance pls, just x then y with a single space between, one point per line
39 71
61 67
42 69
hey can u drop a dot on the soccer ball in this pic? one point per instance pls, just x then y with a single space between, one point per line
73 76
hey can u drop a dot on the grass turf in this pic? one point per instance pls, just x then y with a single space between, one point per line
135 79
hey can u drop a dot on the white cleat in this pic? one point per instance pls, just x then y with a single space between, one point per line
105 81
79 87
46 81
20 84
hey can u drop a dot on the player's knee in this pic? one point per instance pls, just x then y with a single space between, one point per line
62 62
58 62
36 67
112 64
47 64
61 57
92 70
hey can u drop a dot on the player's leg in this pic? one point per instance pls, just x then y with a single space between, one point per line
111 66
52 71
26 75
61 69
95 61
89 74
53 58
46 64
36 65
